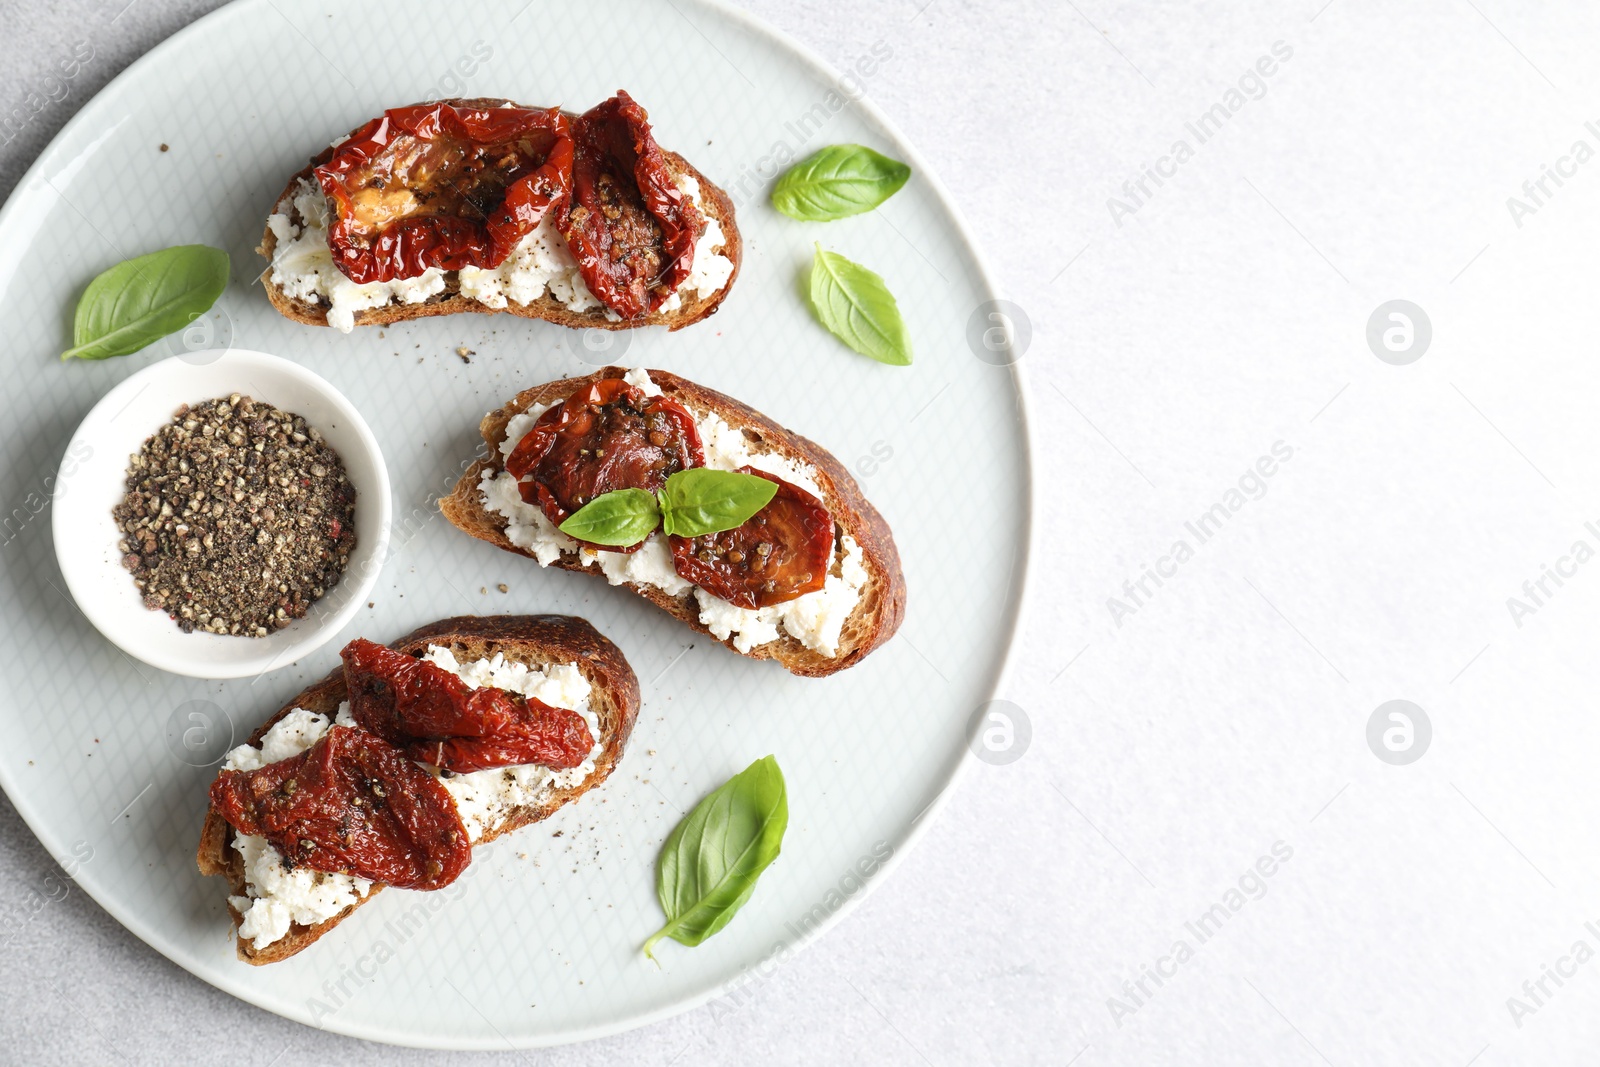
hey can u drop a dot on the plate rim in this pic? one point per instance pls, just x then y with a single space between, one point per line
1000 675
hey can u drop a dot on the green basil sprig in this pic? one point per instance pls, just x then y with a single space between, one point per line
839 181
692 503
701 501
622 517
712 859
854 303
145 298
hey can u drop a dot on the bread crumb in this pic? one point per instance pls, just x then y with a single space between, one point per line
465 353
163 147
503 587
483 590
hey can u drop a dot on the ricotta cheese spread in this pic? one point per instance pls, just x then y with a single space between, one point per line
277 897
485 798
815 619
302 266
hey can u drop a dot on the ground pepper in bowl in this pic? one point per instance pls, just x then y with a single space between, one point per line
236 518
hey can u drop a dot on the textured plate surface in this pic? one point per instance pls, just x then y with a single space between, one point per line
539 942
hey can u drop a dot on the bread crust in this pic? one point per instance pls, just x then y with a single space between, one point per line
537 640
714 201
882 606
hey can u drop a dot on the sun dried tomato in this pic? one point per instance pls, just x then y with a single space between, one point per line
602 438
780 553
547 742
628 224
437 718
451 184
351 804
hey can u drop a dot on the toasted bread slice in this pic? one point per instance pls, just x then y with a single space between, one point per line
882 603
538 641
713 202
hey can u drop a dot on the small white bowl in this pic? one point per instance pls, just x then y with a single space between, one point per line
91 482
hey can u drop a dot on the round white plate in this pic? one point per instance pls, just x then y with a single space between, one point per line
539 942
92 479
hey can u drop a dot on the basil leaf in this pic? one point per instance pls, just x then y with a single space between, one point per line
143 299
839 181
620 518
710 863
854 303
702 501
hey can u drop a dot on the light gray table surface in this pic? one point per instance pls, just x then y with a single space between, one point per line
1215 723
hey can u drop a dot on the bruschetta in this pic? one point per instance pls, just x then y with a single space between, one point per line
393 768
484 205
812 581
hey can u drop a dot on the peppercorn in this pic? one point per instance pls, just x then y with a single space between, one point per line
235 540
